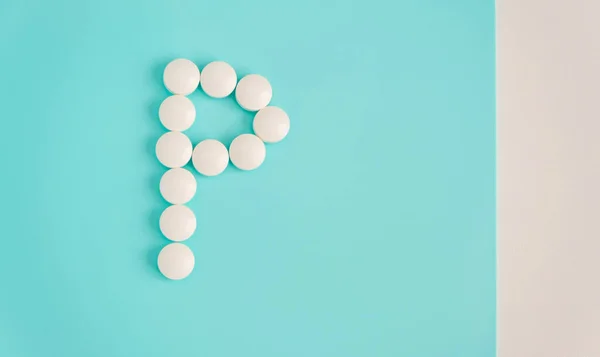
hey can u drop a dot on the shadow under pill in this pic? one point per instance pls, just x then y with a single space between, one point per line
151 257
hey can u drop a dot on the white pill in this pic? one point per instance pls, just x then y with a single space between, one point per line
271 124
176 261
253 92
210 157
177 223
181 76
177 113
247 152
178 186
218 79
174 149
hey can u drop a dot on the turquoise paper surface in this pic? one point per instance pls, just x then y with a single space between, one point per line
368 232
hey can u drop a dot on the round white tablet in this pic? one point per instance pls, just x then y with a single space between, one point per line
181 76
177 223
177 113
253 92
247 152
176 261
210 157
178 186
271 124
173 149
218 79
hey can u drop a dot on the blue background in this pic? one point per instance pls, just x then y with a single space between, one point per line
369 231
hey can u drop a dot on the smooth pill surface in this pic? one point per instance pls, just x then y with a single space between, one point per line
178 186
177 113
210 157
247 152
176 261
271 124
253 92
181 76
174 149
218 79
177 223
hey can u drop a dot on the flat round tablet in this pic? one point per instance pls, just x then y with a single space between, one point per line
247 152
218 79
181 76
177 223
176 261
177 113
178 186
271 124
174 149
253 92
210 157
